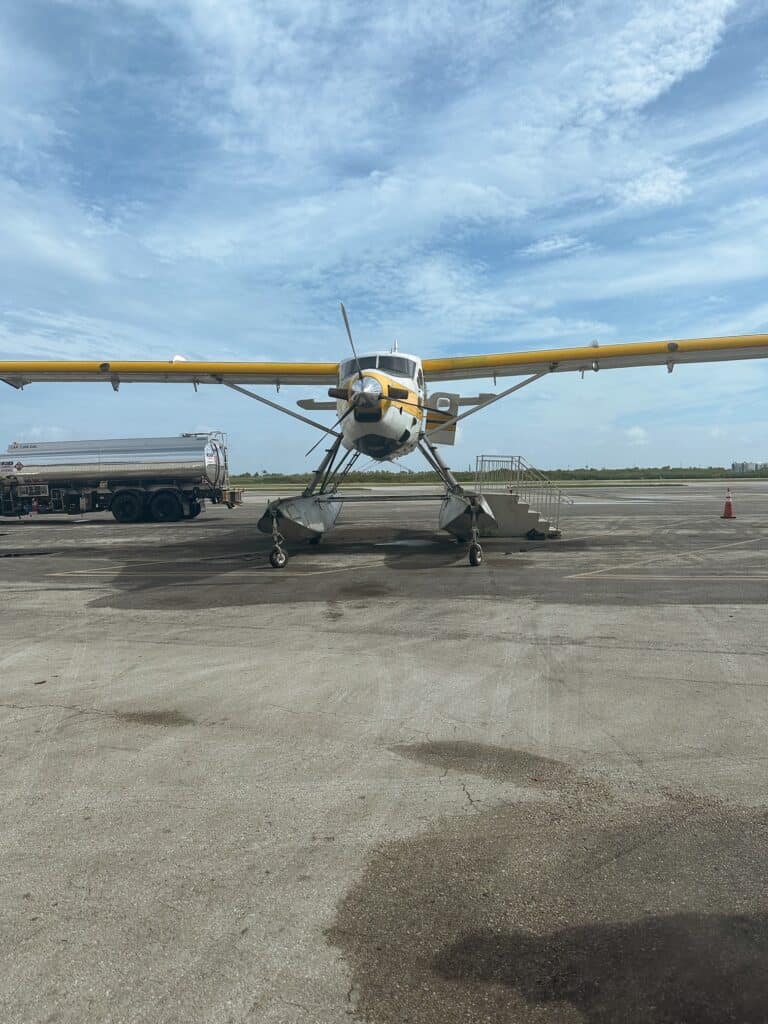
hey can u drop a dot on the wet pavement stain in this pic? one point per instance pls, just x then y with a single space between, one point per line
162 718
231 569
616 560
495 762
240 576
565 911
631 972
24 554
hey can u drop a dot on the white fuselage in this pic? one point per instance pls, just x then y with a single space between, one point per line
386 420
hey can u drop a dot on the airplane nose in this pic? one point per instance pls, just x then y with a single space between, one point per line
367 390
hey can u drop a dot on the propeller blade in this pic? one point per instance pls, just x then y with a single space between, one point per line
351 342
426 408
335 425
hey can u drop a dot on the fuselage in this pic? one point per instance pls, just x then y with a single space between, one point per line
387 397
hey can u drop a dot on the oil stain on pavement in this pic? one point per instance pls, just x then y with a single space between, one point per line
701 968
651 909
499 763
169 719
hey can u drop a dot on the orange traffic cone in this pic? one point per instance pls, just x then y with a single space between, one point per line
728 512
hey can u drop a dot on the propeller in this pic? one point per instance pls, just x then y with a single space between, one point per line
351 342
342 393
335 425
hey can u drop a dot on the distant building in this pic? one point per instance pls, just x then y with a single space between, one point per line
748 467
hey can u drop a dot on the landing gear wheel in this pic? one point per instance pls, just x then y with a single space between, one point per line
475 554
277 558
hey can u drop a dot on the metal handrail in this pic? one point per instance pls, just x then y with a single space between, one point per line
511 473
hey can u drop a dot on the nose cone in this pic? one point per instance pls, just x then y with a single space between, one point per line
367 391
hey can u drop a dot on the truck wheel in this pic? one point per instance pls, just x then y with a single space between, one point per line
195 508
127 507
165 507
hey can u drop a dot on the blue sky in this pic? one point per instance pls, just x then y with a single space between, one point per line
210 177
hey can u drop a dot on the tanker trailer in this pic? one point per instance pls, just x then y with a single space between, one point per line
159 478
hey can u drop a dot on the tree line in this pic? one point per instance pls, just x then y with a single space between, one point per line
375 476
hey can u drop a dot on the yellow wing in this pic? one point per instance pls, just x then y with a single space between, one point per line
600 357
20 372
17 373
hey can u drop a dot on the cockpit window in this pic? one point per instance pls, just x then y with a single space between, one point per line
390 364
349 366
399 365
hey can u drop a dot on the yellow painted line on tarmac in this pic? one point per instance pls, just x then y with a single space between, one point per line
681 555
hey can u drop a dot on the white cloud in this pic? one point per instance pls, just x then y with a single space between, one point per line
301 97
661 186
647 53
556 245
637 435
28 88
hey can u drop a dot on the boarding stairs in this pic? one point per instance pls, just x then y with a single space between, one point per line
525 502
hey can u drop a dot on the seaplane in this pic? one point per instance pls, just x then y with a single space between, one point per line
385 409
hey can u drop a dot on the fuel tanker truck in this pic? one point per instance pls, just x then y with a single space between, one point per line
163 479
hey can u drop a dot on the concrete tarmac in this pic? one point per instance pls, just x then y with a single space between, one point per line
381 785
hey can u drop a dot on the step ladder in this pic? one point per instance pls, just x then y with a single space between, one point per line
526 503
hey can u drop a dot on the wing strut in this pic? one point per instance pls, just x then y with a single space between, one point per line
491 400
432 455
280 408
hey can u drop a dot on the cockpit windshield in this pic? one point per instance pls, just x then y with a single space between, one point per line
397 364
349 366
389 364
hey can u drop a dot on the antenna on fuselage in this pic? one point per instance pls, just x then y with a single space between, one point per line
351 342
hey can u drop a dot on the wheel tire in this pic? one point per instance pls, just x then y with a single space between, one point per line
127 507
165 507
475 554
277 558
195 508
